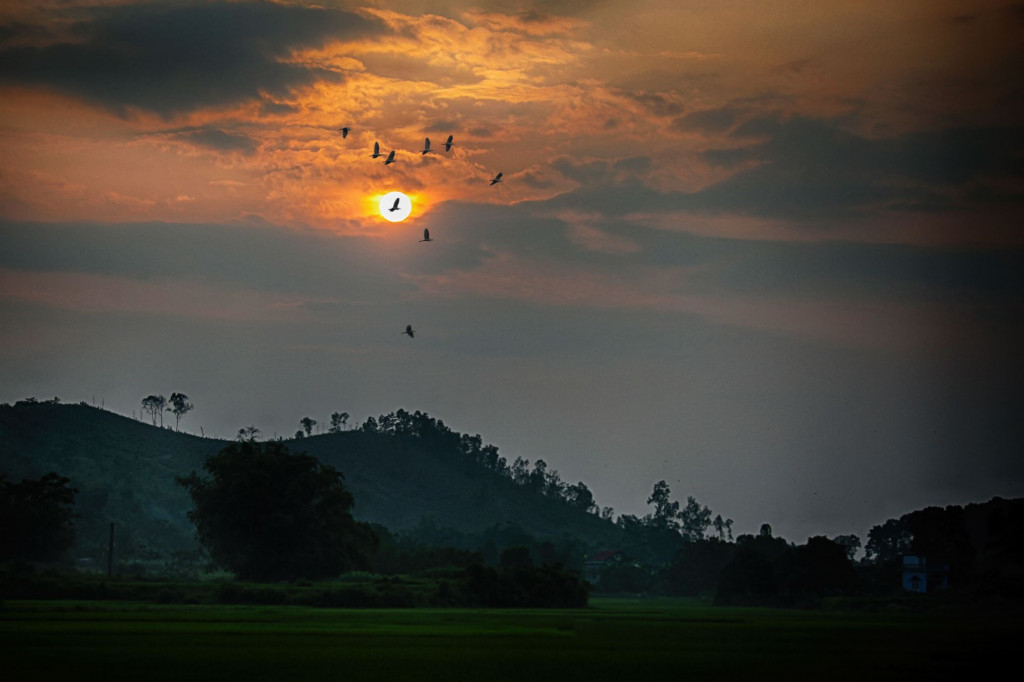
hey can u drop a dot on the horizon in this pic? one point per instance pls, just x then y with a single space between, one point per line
772 256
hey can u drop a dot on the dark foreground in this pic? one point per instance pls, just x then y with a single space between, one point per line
611 640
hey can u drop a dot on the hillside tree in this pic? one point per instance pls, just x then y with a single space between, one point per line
338 421
155 405
180 406
248 434
307 424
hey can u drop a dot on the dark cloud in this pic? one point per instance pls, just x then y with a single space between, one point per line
246 256
602 172
813 170
214 138
709 120
714 120
659 105
169 58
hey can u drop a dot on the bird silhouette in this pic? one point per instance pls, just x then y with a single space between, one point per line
448 144
496 179
391 158
395 207
376 150
409 331
344 132
426 236
426 146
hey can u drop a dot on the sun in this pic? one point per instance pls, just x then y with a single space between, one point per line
395 207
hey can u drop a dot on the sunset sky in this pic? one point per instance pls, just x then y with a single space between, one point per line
769 252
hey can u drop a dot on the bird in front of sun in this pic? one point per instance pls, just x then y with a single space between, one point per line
496 179
410 331
426 146
344 132
426 236
448 144
376 151
395 207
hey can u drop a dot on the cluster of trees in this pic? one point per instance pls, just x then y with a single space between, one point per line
156 405
268 515
982 543
473 451
753 569
339 422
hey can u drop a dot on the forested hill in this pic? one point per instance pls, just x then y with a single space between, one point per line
401 474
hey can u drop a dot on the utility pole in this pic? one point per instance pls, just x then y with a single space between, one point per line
110 553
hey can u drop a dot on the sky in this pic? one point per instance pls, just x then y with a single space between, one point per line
770 253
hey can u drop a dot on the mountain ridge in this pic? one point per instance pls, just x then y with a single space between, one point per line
125 472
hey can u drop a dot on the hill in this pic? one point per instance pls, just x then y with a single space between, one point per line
125 472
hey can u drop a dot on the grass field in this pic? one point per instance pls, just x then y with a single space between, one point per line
611 640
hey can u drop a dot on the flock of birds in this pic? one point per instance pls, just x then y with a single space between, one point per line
396 206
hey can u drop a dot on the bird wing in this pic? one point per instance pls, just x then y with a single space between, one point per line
391 157
376 148
426 234
395 206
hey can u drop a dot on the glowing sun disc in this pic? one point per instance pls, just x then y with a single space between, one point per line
397 215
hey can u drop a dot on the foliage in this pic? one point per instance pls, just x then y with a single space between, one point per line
748 578
338 421
36 518
851 543
694 520
180 406
267 514
307 424
154 405
888 542
696 567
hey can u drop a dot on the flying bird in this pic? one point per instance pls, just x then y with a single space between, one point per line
448 144
395 207
376 150
391 158
409 331
426 146
344 132
426 236
496 179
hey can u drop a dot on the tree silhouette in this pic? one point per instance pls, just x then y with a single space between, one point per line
665 510
268 514
307 425
154 405
248 434
180 406
694 519
37 518
338 420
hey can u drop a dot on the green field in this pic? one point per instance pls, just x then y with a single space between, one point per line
613 639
